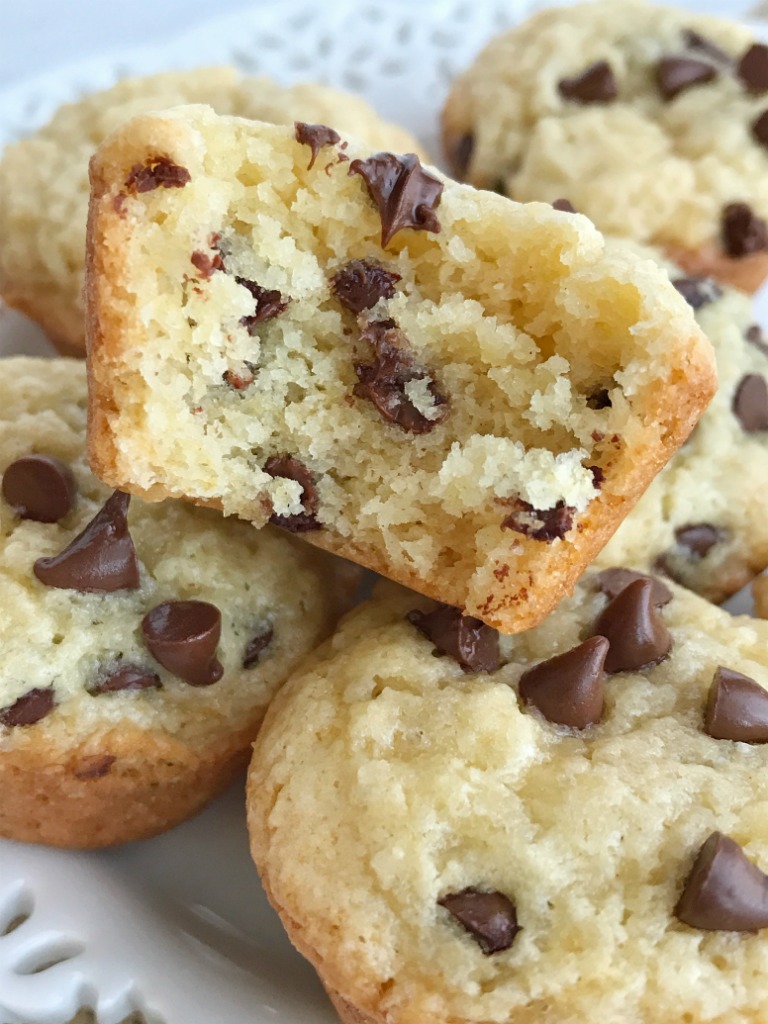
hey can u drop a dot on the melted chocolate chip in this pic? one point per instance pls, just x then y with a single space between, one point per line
568 689
461 155
695 41
489 917
634 629
598 476
613 581
754 335
256 646
752 69
94 766
760 129
126 677
677 74
205 265
101 559
405 195
158 172
698 291
564 206
29 708
467 640
724 891
316 136
737 708
183 637
290 468
383 382
743 231
750 403
698 538
540 524
596 84
359 284
269 304
40 487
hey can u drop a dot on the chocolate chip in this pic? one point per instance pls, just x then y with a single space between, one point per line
269 304
359 284
677 74
157 172
101 559
256 646
596 84
126 677
698 538
205 264
724 891
316 136
383 382
29 708
737 708
568 689
239 380
183 637
760 129
698 291
94 766
564 206
752 69
598 476
750 403
467 640
613 581
695 41
290 468
754 335
540 524
461 155
40 487
405 195
634 629
743 231
489 917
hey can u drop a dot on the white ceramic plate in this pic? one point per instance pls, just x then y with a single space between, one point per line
178 927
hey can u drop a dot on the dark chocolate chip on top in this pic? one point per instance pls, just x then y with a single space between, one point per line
568 689
489 917
183 637
697 291
405 195
360 284
635 630
750 403
754 335
737 708
698 538
40 487
675 75
157 172
613 581
743 232
752 69
316 136
467 640
30 708
596 84
564 206
724 891
694 40
292 469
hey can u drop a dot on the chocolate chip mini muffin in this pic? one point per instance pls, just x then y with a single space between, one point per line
567 825
44 178
406 371
652 121
139 644
702 520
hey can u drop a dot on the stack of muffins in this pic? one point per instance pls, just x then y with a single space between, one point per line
524 780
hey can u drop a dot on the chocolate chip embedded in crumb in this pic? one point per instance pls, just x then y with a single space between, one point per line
634 629
540 524
754 335
698 291
384 382
94 766
256 646
598 476
101 559
29 708
405 195
239 379
359 284
564 206
126 677
40 487
269 304
316 136
205 265
183 636
743 232
461 155
467 640
752 69
725 891
698 538
157 172
613 581
489 917
596 84
696 41
750 403
678 74
290 468
737 708
569 688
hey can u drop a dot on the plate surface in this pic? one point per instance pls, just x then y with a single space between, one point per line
178 927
